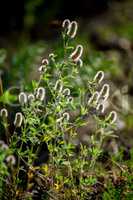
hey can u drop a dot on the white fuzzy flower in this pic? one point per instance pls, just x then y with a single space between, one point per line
104 93
58 86
66 116
77 53
66 23
18 119
22 98
94 98
31 98
40 93
99 77
4 113
11 160
100 107
72 30
112 117
42 69
45 62
66 92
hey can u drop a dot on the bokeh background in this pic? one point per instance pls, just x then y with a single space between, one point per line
31 29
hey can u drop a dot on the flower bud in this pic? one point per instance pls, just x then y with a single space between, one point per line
76 55
11 160
18 119
4 113
99 77
40 93
112 117
22 98
72 31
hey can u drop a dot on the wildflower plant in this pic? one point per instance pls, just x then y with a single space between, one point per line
51 116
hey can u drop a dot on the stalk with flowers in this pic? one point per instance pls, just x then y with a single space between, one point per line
44 161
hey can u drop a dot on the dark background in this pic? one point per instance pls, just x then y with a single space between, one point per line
18 15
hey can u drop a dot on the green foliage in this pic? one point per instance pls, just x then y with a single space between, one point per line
59 105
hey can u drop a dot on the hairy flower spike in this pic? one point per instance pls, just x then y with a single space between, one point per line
76 55
66 116
105 92
112 117
40 93
58 86
31 98
100 107
4 113
42 69
45 62
22 98
51 55
66 92
72 30
11 160
66 24
99 77
18 119
94 98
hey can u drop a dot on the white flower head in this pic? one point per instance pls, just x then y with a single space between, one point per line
112 117
31 98
66 116
72 30
66 92
94 98
22 98
105 92
76 55
40 93
45 62
4 113
100 107
58 86
18 119
66 24
42 69
11 160
99 77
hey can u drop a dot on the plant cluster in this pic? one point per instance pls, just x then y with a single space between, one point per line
44 158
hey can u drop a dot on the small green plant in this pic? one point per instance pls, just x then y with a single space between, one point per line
45 135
